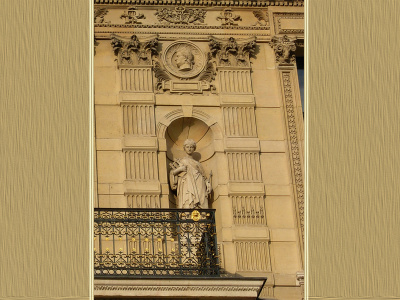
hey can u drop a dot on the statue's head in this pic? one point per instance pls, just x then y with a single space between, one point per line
184 59
189 146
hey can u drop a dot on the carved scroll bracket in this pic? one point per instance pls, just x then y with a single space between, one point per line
133 51
284 48
231 52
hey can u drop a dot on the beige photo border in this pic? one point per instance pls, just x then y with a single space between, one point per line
46 149
352 125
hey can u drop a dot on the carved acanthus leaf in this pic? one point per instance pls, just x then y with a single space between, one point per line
231 52
284 48
134 52
209 72
181 15
160 74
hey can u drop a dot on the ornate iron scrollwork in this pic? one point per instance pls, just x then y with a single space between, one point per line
155 242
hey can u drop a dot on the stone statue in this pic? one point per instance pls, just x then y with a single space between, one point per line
188 178
184 59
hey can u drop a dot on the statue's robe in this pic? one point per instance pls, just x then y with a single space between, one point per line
190 185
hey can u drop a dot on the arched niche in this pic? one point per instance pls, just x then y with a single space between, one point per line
191 128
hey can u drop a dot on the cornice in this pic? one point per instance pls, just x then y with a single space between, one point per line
232 3
183 26
105 287
232 288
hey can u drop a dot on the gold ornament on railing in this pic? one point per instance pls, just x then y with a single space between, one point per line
195 215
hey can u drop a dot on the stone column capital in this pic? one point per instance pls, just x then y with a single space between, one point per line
132 51
284 48
231 52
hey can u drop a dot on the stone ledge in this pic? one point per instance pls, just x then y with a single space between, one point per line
237 100
243 288
242 144
251 233
245 188
176 100
142 187
135 98
132 142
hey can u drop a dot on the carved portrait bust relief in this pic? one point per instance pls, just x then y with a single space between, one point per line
184 59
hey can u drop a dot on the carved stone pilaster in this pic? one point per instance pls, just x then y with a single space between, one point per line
294 150
232 52
284 48
133 51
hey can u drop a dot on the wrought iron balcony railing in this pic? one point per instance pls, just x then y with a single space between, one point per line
155 242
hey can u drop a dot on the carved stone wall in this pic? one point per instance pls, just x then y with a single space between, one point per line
136 79
141 165
249 210
239 121
139 119
235 81
244 166
253 256
224 75
143 201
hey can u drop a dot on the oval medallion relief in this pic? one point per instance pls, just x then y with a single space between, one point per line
184 59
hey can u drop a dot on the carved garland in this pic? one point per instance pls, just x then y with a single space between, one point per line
181 15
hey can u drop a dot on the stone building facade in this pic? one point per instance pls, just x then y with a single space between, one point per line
222 73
